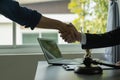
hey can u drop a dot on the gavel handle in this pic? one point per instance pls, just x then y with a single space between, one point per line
88 53
106 64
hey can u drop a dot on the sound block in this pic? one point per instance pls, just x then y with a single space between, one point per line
88 70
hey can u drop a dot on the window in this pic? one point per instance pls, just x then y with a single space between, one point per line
30 38
5 31
17 39
26 36
53 36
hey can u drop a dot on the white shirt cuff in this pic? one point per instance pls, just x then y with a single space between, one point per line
83 38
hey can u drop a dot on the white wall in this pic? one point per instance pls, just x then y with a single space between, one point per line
5 34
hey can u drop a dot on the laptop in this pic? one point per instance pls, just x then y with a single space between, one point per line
53 55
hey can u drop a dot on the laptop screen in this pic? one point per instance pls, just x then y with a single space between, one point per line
49 48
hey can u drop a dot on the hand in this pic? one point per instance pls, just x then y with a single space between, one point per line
70 34
68 31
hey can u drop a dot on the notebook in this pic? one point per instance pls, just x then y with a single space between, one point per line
53 55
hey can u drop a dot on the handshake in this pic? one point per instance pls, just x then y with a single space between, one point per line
69 33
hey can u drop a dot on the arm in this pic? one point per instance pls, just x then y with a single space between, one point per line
23 16
108 39
29 18
49 23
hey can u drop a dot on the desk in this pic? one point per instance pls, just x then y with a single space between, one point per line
49 72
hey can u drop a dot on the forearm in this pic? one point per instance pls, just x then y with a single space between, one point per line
102 40
49 23
83 38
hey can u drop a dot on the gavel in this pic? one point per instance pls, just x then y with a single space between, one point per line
88 52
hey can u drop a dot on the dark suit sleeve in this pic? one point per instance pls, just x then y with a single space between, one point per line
107 39
23 16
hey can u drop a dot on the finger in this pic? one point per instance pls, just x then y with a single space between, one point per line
71 31
71 25
73 36
69 39
77 35
65 38
74 31
64 35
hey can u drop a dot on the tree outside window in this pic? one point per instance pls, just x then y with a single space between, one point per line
92 15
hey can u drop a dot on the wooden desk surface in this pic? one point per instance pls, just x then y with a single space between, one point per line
49 72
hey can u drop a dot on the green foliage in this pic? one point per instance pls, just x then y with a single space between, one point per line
92 14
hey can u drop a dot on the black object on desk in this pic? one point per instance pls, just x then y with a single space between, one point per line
88 67
91 66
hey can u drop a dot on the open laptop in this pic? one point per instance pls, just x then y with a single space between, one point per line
53 54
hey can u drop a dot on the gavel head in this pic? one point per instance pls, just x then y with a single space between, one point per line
87 61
